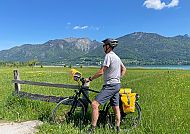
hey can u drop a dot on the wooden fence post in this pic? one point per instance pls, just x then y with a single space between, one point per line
16 77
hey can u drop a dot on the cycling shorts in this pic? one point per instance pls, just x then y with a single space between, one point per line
109 92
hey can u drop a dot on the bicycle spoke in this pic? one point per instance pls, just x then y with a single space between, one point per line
128 120
132 119
63 113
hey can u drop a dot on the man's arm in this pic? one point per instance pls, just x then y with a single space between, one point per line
99 73
123 70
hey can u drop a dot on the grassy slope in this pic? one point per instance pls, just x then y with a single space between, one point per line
164 98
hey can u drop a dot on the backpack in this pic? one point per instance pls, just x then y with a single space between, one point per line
128 100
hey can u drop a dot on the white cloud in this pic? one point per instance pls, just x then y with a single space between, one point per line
85 28
80 27
173 3
158 4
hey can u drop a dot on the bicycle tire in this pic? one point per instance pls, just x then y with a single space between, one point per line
61 113
132 119
128 120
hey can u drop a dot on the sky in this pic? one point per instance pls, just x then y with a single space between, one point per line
37 21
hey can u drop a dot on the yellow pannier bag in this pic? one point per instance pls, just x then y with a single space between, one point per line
125 90
128 100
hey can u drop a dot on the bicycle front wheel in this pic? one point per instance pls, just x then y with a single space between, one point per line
69 111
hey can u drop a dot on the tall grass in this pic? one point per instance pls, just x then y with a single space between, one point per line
164 98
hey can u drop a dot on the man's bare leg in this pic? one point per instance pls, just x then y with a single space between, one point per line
95 112
118 115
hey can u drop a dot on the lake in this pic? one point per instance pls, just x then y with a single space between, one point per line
181 67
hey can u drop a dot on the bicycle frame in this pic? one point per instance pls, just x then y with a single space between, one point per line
85 99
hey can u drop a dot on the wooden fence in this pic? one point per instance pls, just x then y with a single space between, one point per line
17 84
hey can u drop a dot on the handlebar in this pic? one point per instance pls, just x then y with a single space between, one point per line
85 85
77 76
83 81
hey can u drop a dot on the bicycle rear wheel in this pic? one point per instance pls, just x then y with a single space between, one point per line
67 111
128 120
132 119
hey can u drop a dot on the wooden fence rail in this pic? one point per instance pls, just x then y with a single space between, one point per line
17 84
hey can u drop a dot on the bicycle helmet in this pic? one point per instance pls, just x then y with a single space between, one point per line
111 42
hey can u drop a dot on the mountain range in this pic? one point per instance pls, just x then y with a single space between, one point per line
137 48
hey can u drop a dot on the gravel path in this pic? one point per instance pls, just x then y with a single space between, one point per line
28 127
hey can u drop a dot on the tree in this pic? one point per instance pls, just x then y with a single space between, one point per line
33 62
70 66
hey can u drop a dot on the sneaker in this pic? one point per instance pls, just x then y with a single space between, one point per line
91 130
118 129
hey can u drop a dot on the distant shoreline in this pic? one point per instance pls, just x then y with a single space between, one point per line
179 67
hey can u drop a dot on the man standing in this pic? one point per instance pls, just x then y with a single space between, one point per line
112 69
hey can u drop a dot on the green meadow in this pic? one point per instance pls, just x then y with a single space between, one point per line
164 98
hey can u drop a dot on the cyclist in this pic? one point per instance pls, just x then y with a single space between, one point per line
112 69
